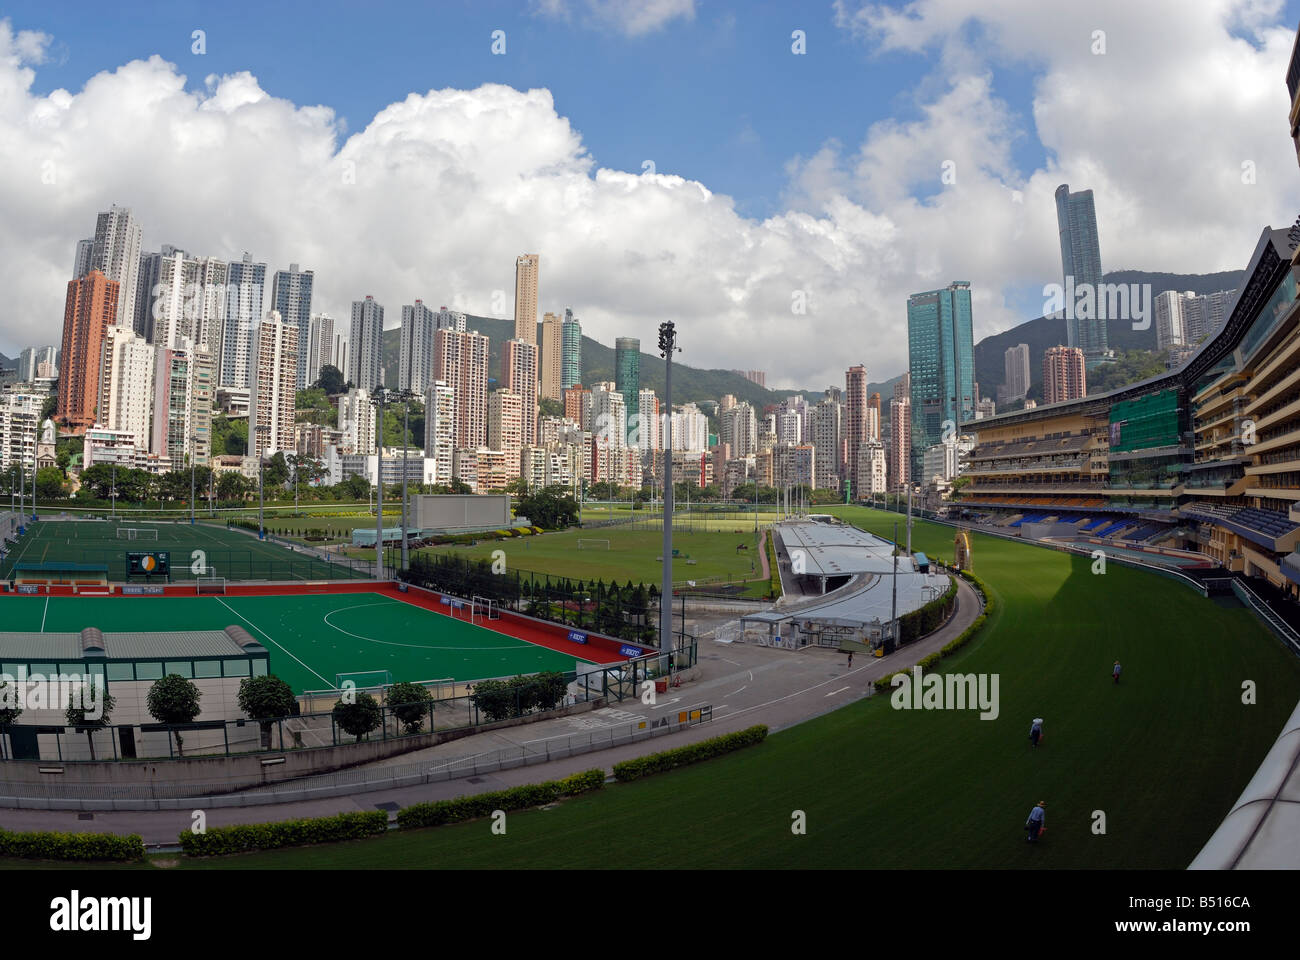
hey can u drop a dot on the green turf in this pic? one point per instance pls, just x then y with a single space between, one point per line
1163 755
632 555
310 638
229 553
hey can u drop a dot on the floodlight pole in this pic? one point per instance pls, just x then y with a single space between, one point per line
191 491
378 400
406 442
909 519
114 491
893 614
667 347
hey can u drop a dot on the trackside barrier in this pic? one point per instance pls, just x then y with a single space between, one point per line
46 795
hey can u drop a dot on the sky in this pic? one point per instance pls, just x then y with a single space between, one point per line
776 178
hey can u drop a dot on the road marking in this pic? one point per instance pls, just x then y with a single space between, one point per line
736 662
833 692
751 676
734 692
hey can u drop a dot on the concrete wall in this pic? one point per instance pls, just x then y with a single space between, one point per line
1040 531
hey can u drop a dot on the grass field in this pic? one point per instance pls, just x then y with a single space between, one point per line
632 555
1162 756
311 638
228 553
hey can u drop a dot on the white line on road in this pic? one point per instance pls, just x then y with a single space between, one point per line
734 692
833 692
736 662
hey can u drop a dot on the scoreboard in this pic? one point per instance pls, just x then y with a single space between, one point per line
156 563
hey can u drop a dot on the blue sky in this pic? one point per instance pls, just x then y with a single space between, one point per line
832 158
718 98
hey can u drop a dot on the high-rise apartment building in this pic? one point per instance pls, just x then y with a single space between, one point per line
1170 330
526 270
190 300
115 252
552 356
519 366
415 363
627 376
1016 364
606 417
506 424
739 427
274 387
90 307
357 418
1076 220
460 360
245 282
126 384
440 429
33 359
83 261
319 346
1064 374
856 420
20 415
900 448
827 425
575 402
366 345
941 364
291 298
571 350
647 436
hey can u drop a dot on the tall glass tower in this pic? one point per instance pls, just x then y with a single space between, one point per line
1076 219
570 351
627 378
941 361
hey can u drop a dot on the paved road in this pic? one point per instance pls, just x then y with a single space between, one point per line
744 684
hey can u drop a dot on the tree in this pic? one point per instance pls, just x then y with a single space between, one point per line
48 406
49 484
276 471
359 717
409 702
98 480
552 508
264 699
232 485
330 379
96 718
355 487
9 709
172 700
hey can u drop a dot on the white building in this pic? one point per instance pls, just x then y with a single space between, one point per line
274 387
646 430
415 368
690 429
319 347
607 415
947 460
245 281
126 384
356 421
440 429
19 424
871 469
366 343
115 252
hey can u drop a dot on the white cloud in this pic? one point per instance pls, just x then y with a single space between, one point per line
451 185
632 18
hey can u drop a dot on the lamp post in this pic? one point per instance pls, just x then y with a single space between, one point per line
113 492
261 429
191 491
667 347
379 398
405 396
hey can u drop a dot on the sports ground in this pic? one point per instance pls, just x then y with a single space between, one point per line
229 553
1161 757
314 637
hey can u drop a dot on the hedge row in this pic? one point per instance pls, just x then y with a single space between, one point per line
220 841
952 646
774 587
691 753
441 812
45 845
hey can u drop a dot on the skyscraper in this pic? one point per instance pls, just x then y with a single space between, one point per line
245 282
460 360
552 356
526 270
90 307
856 420
319 346
115 252
32 359
571 361
519 375
274 387
627 377
1170 325
366 345
291 298
1016 363
1064 374
506 424
941 365
126 384
415 363
440 429
900 449
827 427
1076 220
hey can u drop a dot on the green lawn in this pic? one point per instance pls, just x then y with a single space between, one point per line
1162 756
632 555
311 638
233 554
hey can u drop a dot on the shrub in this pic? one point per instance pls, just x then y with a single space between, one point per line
48 845
441 812
243 838
666 760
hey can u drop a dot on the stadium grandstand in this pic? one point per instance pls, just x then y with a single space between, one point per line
1204 459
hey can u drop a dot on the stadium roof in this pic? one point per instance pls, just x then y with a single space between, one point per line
173 645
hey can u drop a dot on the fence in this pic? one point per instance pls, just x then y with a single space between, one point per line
232 792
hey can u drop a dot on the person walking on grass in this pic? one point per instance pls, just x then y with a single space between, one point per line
1036 825
1036 731
1115 672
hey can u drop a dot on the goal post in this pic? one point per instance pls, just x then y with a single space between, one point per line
136 533
210 585
589 543
484 608
374 682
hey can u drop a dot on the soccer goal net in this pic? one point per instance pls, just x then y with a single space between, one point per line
364 681
136 533
210 585
589 544
483 608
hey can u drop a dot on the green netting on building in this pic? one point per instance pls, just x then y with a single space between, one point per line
1150 421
